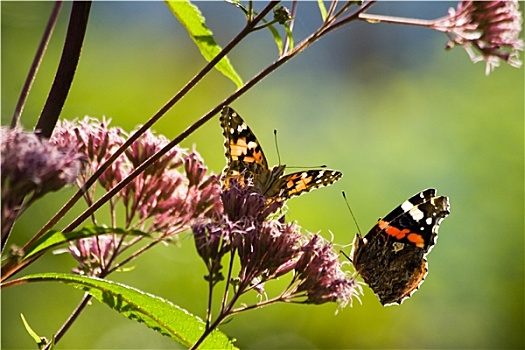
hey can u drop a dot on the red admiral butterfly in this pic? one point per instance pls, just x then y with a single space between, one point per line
391 258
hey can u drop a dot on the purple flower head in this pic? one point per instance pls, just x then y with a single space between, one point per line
267 250
173 198
240 201
213 241
92 137
31 164
32 167
98 142
146 146
189 199
488 30
239 226
320 276
92 253
173 191
195 169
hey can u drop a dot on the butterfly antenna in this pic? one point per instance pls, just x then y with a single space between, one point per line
346 256
277 146
351 212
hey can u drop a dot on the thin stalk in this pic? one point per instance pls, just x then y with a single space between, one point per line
290 25
279 298
225 312
333 24
397 20
222 315
331 10
210 296
208 331
227 284
327 27
31 75
134 255
71 319
52 222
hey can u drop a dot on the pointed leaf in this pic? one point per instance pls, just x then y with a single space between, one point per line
192 19
52 238
30 331
322 8
277 38
289 36
158 314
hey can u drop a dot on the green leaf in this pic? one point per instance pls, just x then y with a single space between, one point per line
275 33
30 330
290 37
52 238
156 313
277 38
41 342
194 22
322 8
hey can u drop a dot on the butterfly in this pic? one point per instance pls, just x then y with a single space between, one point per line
247 164
391 258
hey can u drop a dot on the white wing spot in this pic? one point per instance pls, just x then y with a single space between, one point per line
417 214
241 128
406 206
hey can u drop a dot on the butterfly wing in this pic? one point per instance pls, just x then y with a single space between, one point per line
247 164
242 147
391 258
298 183
416 220
246 159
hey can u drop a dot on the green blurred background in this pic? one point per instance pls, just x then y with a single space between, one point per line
385 104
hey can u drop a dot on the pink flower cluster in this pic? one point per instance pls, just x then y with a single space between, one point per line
32 167
166 199
488 30
268 249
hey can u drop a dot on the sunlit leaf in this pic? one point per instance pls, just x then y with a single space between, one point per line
194 22
30 330
289 36
54 238
156 313
322 8
277 38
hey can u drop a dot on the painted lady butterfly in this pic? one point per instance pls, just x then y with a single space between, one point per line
248 165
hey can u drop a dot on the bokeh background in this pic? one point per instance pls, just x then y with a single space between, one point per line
385 104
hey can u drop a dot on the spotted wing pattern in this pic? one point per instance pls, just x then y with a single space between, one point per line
391 258
247 164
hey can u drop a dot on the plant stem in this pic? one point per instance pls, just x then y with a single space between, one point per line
8 271
210 296
226 311
134 255
352 17
66 69
228 279
397 20
48 31
290 26
72 318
